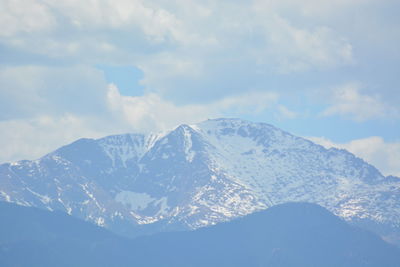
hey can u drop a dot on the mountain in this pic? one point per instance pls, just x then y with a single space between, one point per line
200 175
292 234
36 237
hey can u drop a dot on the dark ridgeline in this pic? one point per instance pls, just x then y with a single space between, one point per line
292 234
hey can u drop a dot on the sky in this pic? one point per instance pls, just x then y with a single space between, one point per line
321 69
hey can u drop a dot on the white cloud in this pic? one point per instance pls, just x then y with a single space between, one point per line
318 7
158 24
150 112
246 42
38 132
32 138
248 103
348 100
191 52
28 91
286 113
180 40
383 155
296 47
24 16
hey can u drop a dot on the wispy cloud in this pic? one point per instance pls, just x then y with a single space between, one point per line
33 136
28 91
175 40
350 101
199 59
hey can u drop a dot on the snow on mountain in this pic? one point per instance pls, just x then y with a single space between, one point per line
199 175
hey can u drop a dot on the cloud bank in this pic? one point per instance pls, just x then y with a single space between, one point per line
273 60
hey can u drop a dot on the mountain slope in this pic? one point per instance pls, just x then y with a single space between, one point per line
293 234
35 237
200 175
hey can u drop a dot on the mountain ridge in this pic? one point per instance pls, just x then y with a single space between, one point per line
290 234
199 175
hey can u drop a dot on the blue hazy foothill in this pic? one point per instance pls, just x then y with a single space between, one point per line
292 234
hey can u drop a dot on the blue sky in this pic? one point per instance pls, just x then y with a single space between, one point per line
325 70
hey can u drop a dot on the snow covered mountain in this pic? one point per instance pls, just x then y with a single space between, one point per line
199 175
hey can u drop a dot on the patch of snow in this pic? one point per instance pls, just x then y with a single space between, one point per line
43 198
164 208
67 207
122 148
100 221
5 196
86 188
188 144
151 139
23 203
136 201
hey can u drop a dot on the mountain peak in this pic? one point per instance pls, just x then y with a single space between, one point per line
198 175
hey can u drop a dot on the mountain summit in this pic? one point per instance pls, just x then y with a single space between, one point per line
200 175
